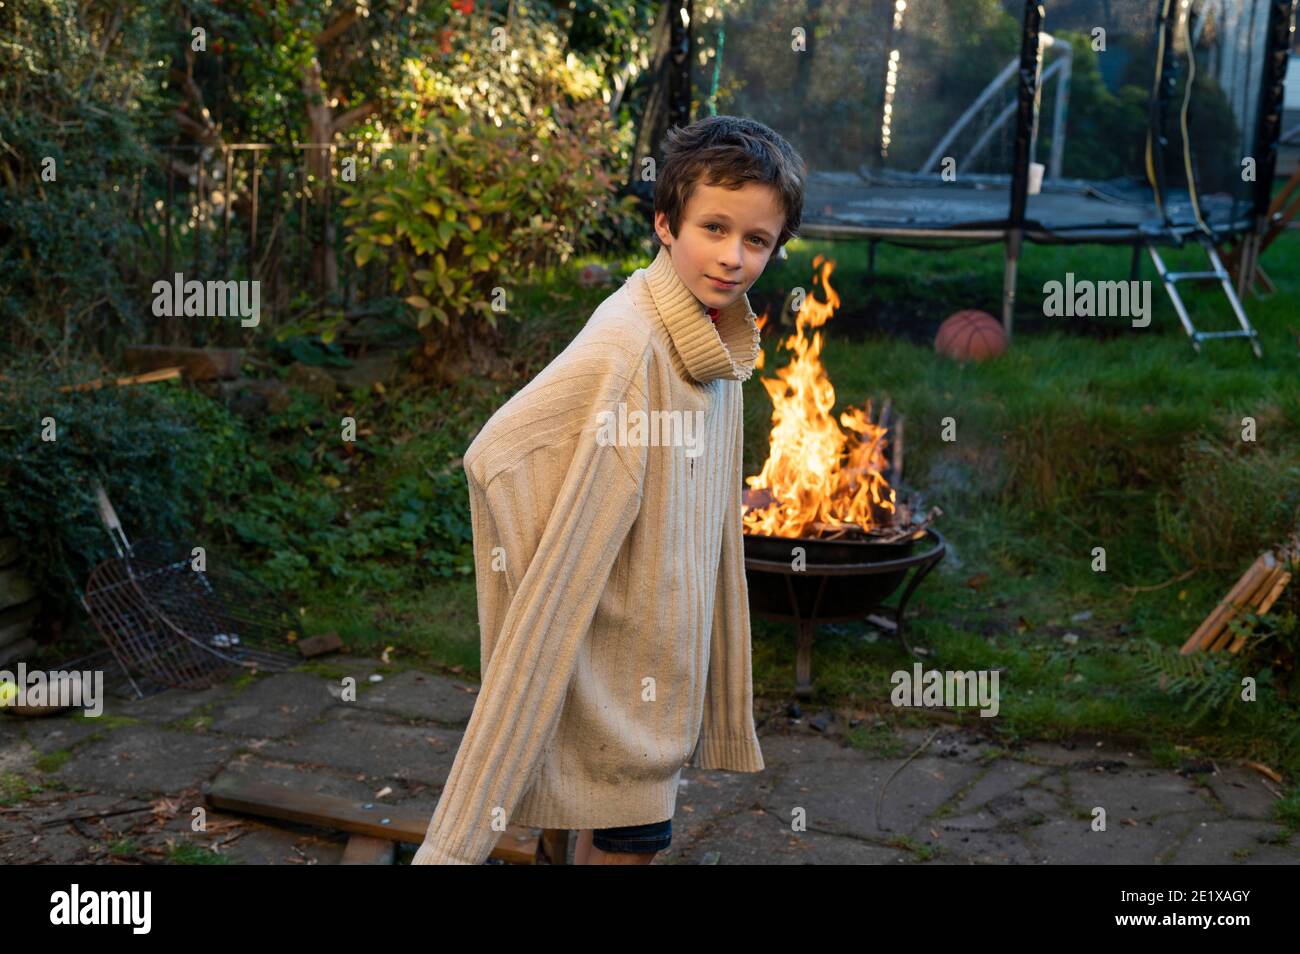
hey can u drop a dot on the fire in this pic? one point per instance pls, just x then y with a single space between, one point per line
820 475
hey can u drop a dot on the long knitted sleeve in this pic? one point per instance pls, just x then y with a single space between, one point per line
728 739
555 574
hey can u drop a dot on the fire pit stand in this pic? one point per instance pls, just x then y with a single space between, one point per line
840 582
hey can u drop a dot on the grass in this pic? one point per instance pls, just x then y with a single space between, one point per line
191 854
51 762
16 789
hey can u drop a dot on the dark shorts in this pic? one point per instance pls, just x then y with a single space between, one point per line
656 836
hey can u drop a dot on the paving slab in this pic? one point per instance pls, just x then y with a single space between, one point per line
143 760
418 695
62 732
1072 840
1142 795
379 747
757 837
1227 842
1275 855
274 706
1000 777
704 796
976 847
1015 808
839 795
278 845
1242 793
168 705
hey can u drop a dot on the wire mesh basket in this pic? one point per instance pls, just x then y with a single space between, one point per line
177 625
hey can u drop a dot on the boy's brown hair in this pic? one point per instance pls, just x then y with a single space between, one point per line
729 151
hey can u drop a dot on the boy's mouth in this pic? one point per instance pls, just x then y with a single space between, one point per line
721 283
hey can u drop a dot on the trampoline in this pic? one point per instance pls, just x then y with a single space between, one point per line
1145 123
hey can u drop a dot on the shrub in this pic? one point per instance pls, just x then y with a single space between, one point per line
482 209
144 453
72 109
1230 506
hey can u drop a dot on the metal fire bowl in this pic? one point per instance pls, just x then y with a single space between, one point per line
839 581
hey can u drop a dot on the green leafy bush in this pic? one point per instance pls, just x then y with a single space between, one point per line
74 110
483 208
53 445
303 512
281 495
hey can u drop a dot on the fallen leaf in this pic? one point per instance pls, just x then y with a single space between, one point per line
1265 770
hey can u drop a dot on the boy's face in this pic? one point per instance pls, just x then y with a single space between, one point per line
726 235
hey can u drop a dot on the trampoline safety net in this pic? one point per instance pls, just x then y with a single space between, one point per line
906 110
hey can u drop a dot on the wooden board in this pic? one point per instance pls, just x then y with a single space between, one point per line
517 845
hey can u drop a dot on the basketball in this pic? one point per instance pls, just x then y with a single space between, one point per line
970 335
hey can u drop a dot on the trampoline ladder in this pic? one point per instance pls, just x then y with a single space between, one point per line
1219 274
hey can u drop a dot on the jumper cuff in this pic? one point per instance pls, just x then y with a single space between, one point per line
730 753
437 852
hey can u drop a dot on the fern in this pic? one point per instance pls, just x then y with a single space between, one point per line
1208 683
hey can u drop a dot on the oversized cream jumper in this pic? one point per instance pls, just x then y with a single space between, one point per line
613 613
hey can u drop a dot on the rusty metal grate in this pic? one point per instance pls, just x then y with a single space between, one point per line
188 629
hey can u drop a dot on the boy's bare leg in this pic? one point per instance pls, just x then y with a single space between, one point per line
583 847
585 853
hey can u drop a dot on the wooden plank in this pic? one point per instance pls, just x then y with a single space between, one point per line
149 377
1266 600
1249 601
517 844
198 364
1247 584
364 850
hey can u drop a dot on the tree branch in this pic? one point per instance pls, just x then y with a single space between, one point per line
331 32
354 116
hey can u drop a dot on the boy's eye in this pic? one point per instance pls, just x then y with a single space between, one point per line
761 241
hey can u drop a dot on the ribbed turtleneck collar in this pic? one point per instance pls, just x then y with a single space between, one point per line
727 348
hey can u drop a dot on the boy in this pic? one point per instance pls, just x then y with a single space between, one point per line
605 504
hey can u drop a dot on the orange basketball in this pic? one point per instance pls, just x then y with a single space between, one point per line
970 335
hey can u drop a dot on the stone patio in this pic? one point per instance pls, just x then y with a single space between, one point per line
123 787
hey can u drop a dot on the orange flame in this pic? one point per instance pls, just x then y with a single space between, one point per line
819 475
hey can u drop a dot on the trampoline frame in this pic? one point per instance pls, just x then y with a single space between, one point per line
1018 228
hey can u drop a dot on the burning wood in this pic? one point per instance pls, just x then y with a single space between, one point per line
824 477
